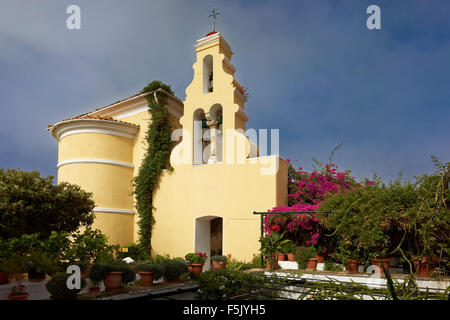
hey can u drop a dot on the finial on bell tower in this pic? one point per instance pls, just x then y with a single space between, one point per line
214 14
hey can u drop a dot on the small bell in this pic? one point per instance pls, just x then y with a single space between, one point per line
210 87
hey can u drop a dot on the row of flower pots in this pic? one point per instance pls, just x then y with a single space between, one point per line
423 267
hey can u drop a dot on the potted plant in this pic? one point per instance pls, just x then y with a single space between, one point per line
173 269
149 272
424 266
219 262
57 287
196 262
18 293
282 256
89 247
7 266
381 260
96 276
113 274
306 257
348 257
271 246
289 249
38 263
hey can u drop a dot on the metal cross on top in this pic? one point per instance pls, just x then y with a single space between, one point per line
214 14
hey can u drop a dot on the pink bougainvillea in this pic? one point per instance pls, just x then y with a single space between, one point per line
307 190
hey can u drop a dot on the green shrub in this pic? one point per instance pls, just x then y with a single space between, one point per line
236 265
289 247
128 275
302 255
159 258
410 219
99 271
331 266
173 269
57 286
90 246
225 284
156 268
219 258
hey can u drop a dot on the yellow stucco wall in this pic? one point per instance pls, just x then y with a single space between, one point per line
96 146
109 183
231 192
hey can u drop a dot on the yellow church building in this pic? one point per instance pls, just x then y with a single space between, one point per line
206 203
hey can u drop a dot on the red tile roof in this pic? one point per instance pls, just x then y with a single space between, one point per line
86 116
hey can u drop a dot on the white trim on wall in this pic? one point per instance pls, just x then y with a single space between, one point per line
102 161
76 126
110 210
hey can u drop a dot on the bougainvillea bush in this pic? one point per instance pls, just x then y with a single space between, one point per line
307 190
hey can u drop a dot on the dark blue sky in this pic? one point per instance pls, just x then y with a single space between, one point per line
312 69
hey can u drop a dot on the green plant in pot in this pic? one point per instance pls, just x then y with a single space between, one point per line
271 246
306 257
381 259
348 256
96 274
173 269
195 262
114 274
289 248
149 272
9 266
57 286
88 247
18 293
219 262
38 263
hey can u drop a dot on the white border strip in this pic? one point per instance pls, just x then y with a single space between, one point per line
111 132
109 210
102 161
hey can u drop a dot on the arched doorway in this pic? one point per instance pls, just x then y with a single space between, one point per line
209 237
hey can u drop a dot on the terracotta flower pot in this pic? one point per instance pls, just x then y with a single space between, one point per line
23 296
196 268
379 262
113 281
320 259
85 273
146 278
217 265
269 266
424 267
291 256
311 264
282 257
352 266
3 277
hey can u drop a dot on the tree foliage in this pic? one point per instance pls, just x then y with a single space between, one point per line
31 204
